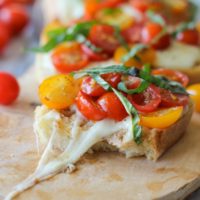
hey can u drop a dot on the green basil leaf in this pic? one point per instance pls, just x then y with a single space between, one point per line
137 129
101 82
155 17
143 86
132 53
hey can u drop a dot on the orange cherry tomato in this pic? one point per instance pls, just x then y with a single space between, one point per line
172 75
162 118
9 88
103 36
5 36
89 108
93 6
112 106
194 91
91 88
69 57
150 32
190 36
15 16
59 91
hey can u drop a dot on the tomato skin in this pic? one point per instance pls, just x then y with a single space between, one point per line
162 118
92 55
150 31
194 91
93 6
168 99
59 91
148 101
91 88
9 88
15 16
112 106
172 75
190 36
133 33
89 108
68 58
5 36
103 36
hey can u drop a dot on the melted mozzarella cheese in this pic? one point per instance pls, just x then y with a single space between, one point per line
53 127
63 10
178 56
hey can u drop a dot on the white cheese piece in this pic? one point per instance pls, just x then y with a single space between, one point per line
78 139
178 56
63 10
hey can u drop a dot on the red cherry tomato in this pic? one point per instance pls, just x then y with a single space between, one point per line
15 16
147 101
103 36
172 75
150 32
190 36
93 55
133 33
93 6
89 108
111 104
168 99
144 5
4 2
9 88
68 58
4 36
91 88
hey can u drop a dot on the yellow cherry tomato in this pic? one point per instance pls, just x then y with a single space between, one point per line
194 91
59 91
146 56
162 118
115 17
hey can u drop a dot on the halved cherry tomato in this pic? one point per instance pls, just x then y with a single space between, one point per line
69 57
93 6
112 106
5 36
59 91
144 5
150 32
133 33
162 118
190 36
172 75
115 17
91 88
103 36
93 55
194 91
15 16
9 88
146 56
89 108
147 101
168 99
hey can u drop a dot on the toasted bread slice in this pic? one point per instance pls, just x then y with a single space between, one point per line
154 141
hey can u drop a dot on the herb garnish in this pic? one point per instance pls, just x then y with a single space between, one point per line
147 78
135 119
155 17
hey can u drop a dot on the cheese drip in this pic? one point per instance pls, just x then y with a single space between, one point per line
77 138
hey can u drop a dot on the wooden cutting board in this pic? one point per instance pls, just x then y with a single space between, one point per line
100 176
